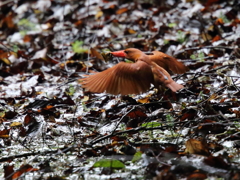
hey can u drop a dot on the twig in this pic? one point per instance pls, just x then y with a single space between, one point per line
205 47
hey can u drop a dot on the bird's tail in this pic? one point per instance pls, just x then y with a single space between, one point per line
174 86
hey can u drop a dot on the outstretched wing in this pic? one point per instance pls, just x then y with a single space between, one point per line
123 78
170 64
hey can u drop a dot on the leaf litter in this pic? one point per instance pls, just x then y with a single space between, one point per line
52 128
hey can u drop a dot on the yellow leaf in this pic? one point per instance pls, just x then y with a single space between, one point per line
144 100
4 136
213 96
15 124
85 98
99 14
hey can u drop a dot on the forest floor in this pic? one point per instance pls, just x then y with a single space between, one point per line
51 128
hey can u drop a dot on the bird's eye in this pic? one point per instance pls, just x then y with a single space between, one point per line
126 52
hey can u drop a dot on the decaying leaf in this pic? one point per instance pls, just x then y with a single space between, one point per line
194 146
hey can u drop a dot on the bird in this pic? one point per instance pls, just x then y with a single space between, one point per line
135 78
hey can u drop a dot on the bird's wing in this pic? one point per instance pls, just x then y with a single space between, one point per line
167 62
123 78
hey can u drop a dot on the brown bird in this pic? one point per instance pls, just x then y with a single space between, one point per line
135 78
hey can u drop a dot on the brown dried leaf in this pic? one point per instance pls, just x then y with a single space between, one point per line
194 146
217 162
122 10
95 53
136 114
4 133
8 170
197 175
23 169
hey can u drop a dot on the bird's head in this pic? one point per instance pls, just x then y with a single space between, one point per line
130 53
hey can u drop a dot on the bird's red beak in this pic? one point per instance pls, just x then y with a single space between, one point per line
119 53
